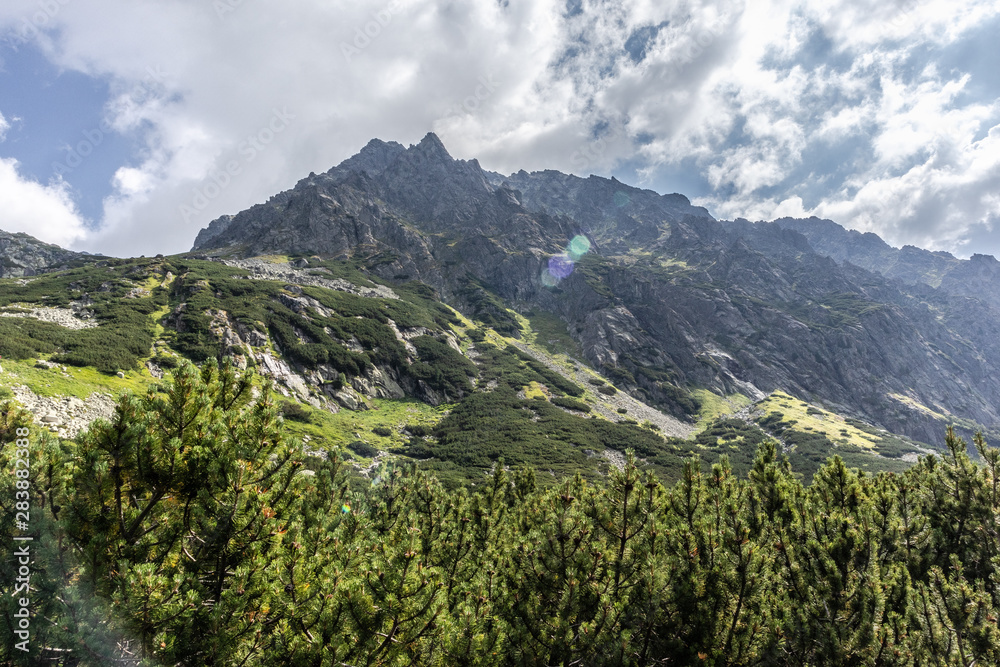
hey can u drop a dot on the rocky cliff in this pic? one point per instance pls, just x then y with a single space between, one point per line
23 255
660 296
977 277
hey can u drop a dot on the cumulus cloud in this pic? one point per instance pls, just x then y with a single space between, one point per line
46 212
928 166
231 101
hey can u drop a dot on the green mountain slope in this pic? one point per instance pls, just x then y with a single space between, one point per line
381 372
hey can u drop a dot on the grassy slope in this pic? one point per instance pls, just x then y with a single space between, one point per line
813 434
713 406
808 417
81 383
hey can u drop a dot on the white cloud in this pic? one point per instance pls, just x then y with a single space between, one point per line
931 176
738 88
46 212
918 171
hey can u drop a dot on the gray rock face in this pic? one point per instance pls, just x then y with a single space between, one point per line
216 227
977 277
22 255
417 211
76 317
373 159
669 298
618 216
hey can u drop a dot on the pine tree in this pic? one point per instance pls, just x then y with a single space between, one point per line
558 588
179 503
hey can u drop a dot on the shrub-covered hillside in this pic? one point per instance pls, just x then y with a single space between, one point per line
383 373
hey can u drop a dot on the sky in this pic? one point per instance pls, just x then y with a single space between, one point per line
128 125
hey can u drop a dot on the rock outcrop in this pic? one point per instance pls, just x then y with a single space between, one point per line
22 255
977 277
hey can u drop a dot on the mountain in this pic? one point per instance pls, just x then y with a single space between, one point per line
668 300
977 277
23 255
411 306
438 415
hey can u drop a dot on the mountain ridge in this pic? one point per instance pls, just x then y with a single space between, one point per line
668 299
977 277
23 255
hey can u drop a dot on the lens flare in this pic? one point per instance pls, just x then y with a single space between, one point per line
346 509
560 266
548 279
578 247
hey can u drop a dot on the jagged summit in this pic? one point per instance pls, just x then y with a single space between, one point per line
977 277
667 298
373 158
432 145
378 155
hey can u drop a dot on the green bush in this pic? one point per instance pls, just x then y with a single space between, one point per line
487 426
295 412
570 404
362 449
226 528
442 367
418 430
619 374
489 309
166 361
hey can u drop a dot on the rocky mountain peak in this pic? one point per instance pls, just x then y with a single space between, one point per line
24 255
976 277
431 145
374 158
438 189
978 258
